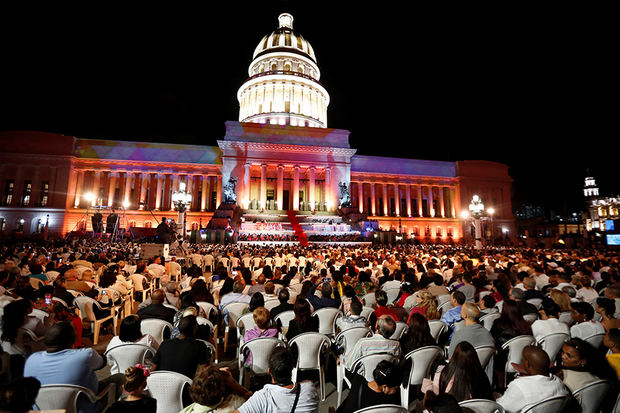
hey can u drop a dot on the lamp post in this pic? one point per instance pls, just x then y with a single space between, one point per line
476 210
491 211
181 199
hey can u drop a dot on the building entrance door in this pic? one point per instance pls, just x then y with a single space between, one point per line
285 200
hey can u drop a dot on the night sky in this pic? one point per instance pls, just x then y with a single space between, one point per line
532 88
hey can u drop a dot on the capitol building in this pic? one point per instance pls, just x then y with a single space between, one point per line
283 155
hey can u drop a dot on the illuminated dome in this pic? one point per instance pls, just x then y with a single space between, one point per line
283 87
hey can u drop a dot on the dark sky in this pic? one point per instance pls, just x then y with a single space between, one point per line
532 88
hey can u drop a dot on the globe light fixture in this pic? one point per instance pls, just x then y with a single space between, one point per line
181 200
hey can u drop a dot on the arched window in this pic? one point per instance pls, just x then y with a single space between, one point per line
195 226
274 67
148 224
132 224
287 67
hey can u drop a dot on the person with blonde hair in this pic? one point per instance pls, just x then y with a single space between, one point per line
263 328
561 299
426 306
135 400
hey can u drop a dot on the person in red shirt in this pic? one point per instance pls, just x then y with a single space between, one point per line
382 309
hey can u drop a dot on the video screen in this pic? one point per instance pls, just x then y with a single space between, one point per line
613 239
609 225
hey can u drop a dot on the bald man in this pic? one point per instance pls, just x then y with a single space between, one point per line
472 332
157 309
535 385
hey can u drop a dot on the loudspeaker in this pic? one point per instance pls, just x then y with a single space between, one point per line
96 220
111 223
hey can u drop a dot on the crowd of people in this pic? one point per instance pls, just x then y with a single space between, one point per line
404 298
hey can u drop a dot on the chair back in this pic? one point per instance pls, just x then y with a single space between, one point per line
421 361
366 312
536 302
350 336
167 388
40 314
127 355
365 365
383 408
392 294
35 283
595 339
488 319
369 300
211 348
261 349
285 318
235 310
551 404
530 318
437 328
482 406
410 302
400 330
85 304
445 307
327 319
515 348
245 323
552 343
155 327
62 397
310 346
442 299
61 301
485 353
208 308
566 318
591 395
271 304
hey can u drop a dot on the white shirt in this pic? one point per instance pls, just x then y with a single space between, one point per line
528 390
157 269
276 399
551 325
541 280
587 294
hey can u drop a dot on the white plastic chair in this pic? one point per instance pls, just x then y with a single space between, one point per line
485 353
261 349
442 299
591 395
392 293
347 339
366 312
61 301
595 339
482 406
35 283
369 300
156 328
208 308
136 280
327 320
310 346
551 404
244 323
383 408
40 314
530 318
536 302
421 361
271 304
284 318
365 365
566 318
234 311
65 397
167 388
410 302
487 320
552 343
400 330
445 307
85 305
127 355
515 348
437 328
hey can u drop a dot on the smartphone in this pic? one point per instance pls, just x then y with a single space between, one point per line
104 292
48 299
59 260
235 272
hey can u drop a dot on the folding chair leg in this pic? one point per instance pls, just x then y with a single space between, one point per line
96 333
226 340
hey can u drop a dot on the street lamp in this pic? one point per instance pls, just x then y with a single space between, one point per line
491 211
476 210
181 200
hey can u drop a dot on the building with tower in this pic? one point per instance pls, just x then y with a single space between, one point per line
285 165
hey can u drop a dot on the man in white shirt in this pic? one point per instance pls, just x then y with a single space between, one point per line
549 322
584 326
535 385
156 267
540 277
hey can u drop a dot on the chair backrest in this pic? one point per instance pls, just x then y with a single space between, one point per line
530 318
400 330
327 319
208 308
127 355
203 321
155 327
445 307
40 314
75 293
62 396
210 346
437 328
35 283
235 310
85 304
392 293
488 319
515 348
271 304
482 406
551 404
310 346
285 318
485 353
421 361
595 339
369 300
61 301
536 302
443 299
591 395
366 365
261 349
566 318
167 388
366 312
350 336
245 323
410 302
383 408
552 343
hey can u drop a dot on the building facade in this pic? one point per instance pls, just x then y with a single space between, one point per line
281 154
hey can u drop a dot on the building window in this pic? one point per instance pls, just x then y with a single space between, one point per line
27 192
2 224
148 224
8 192
19 225
45 187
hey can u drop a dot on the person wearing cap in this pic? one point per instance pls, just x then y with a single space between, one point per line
534 385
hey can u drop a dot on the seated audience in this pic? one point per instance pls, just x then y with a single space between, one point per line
214 390
384 389
129 333
474 333
304 321
157 309
134 383
283 297
379 342
580 365
261 329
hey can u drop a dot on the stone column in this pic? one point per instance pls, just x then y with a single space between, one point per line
247 190
280 189
112 188
175 182
360 196
408 189
209 191
397 199
431 209
127 194
203 196
296 187
452 203
143 185
373 197
311 189
78 188
385 199
263 186
96 183
329 198
442 205
160 182
218 199
420 210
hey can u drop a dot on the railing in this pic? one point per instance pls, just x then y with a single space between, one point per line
283 72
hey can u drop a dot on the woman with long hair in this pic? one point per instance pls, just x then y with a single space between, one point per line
418 335
426 306
561 299
303 322
200 292
14 331
510 324
130 333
